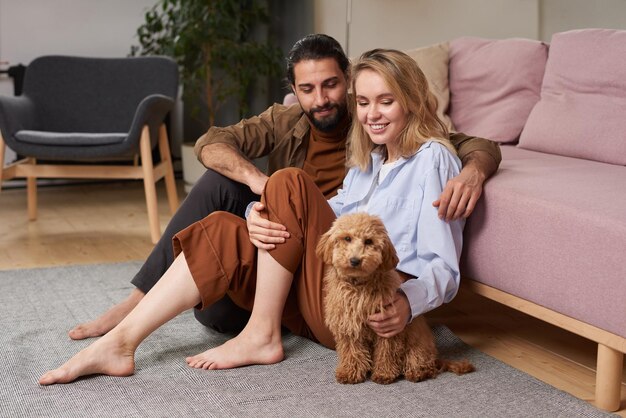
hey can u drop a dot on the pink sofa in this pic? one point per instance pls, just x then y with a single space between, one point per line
549 235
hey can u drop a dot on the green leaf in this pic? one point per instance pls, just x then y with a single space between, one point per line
208 37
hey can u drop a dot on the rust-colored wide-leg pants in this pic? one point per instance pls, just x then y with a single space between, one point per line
222 259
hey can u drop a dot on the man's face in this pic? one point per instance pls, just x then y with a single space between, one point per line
321 88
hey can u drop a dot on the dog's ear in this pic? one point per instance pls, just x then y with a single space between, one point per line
324 249
390 258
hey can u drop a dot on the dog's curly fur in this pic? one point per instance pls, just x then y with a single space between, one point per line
360 276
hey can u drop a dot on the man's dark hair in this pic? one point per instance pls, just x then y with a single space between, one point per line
314 47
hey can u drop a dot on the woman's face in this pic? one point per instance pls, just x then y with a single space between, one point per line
378 111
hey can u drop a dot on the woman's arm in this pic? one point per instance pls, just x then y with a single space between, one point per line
336 202
438 249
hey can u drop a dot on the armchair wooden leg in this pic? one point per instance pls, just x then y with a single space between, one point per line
149 186
31 191
7 173
3 148
609 378
166 157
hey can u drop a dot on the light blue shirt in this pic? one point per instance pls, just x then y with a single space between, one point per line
428 247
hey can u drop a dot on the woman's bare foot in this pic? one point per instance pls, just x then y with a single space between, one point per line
108 320
106 356
245 349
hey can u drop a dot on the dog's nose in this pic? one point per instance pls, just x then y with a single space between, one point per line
355 261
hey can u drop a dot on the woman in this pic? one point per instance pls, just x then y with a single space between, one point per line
400 161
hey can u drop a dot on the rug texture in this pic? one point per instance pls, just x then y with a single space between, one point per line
39 306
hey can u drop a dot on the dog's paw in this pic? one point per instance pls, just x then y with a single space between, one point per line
350 376
419 374
384 378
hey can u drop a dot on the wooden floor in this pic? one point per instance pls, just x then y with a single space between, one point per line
107 222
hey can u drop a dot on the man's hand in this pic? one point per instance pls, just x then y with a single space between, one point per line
264 234
460 195
393 319
257 183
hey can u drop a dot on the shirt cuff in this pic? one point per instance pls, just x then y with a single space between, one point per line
417 294
249 208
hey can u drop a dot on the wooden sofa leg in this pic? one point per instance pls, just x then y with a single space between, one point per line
31 191
609 378
166 157
148 184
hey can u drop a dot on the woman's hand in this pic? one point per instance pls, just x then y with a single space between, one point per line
264 234
393 319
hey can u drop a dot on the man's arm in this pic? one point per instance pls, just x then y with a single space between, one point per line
230 150
230 162
480 158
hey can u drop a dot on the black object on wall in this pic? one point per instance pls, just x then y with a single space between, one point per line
16 72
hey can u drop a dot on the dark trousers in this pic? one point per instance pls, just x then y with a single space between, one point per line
213 192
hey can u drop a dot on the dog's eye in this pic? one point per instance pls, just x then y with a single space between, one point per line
347 239
368 242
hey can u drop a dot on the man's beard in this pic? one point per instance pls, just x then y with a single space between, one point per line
331 122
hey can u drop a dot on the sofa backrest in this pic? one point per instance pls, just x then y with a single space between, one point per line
583 98
494 84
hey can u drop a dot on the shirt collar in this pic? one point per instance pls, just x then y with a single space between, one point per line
377 161
377 158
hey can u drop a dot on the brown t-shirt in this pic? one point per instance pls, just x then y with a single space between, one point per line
325 159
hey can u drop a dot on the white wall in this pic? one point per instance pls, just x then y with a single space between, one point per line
562 15
405 24
30 28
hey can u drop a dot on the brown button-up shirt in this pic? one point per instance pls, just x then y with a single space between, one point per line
282 134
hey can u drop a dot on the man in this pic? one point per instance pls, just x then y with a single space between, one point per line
311 136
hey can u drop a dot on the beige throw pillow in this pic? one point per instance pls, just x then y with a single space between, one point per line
433 60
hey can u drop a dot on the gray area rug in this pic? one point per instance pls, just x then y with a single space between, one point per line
38 306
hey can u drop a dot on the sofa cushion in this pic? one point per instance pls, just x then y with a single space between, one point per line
583 97
543 231
433 61
494 84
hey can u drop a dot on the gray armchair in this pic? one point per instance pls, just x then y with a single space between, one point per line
76 109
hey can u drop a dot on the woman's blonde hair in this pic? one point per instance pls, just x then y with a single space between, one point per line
410 89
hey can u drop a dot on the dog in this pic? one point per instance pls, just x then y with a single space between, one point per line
359 278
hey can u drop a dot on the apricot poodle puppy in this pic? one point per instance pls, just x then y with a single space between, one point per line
360 276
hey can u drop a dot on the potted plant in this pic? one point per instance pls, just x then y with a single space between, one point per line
216 44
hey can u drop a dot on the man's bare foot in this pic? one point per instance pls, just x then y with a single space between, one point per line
108 320
106 356
243 350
